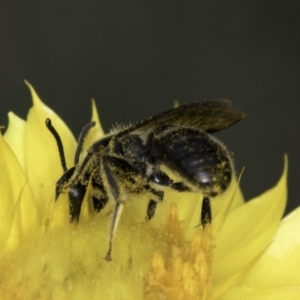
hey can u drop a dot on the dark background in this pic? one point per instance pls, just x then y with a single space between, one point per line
136 57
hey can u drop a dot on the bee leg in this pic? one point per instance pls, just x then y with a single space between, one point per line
151 209
108 164
153 203
159 177
180 187
158 197
205 217
99 203
114 224
99 196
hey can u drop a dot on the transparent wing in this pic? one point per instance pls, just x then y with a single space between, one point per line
209 116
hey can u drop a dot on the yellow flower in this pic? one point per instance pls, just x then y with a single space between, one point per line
245 254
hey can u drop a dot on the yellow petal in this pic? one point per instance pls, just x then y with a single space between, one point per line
220 202
280 264
25 223
12 180
221 205
58 213
14 136
43 165
248 230
250 293
69 264
96 132
14 237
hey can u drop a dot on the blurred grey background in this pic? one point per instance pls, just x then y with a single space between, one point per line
136 57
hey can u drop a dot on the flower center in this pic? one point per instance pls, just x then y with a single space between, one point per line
184 270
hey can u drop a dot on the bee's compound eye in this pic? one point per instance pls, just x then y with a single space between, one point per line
76 195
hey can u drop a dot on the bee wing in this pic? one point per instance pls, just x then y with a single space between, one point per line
209 116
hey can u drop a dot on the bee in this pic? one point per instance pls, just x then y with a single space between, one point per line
133 161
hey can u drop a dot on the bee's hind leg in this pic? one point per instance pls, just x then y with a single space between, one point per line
114 224
205 216
151 208
161 178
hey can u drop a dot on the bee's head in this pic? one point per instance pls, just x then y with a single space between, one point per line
76 189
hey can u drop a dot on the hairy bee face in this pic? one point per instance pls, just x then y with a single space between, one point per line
132 160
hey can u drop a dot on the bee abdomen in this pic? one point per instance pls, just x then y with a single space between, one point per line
196 156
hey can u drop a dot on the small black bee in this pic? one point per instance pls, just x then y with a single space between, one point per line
130 160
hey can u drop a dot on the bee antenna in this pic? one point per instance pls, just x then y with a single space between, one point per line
82 136
59 144
114 224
